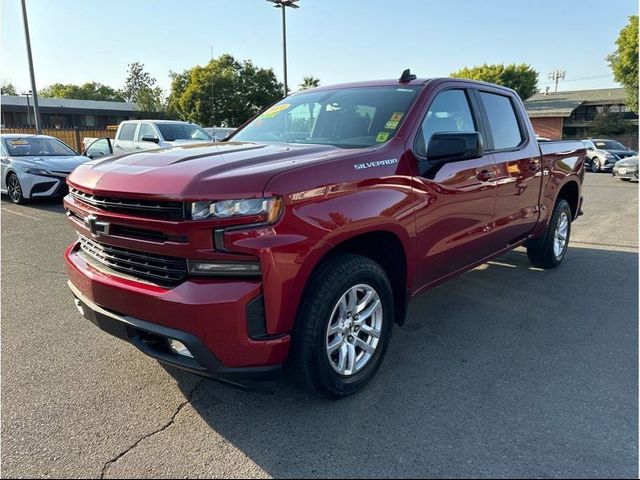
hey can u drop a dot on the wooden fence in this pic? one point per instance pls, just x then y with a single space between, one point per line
71 136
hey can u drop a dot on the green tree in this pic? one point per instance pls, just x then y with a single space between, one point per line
309 82
7 88
225 92
609 124
522 78
88 91
140 87
624 61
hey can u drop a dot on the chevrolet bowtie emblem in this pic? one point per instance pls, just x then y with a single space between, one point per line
95 227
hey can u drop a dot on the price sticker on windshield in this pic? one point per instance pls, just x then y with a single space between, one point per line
396 117
391 125
275 110
382 137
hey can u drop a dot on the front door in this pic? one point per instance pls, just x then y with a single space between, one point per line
456 214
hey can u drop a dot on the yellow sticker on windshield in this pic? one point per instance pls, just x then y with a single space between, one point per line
391 125
382 137
17 143
396 117
275 110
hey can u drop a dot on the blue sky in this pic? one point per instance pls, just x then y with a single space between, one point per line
76 41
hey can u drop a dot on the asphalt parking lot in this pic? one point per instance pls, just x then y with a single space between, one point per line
506 371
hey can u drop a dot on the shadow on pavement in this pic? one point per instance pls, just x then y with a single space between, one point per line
506 371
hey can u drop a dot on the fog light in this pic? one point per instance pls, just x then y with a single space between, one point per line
179 348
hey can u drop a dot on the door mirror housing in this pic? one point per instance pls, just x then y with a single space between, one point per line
150 138
445 147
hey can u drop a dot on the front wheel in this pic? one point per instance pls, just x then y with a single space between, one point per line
556 242
14 190
595 165
343 326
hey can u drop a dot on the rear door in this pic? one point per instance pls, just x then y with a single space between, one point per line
454 221
518 165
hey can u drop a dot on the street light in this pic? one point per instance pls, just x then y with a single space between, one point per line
34 92
283 4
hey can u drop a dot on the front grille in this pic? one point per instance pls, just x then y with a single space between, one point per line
140 208
140 265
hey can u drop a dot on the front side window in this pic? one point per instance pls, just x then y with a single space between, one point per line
449 112
127 132
503 121
182 131
146 130
99 148
348 118
37 146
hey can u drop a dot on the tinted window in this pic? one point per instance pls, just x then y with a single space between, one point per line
146 129
348 117
502 121
127 131
449 112
609 145
182 131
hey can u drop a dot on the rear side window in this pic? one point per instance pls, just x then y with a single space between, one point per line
127 132
449 112
503 121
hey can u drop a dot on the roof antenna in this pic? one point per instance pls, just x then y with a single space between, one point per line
407 76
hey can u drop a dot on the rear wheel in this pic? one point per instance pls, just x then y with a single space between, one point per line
343 326
14 190
554 247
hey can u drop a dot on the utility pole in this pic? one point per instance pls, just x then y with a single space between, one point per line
27 95
556 76
283 4
36 109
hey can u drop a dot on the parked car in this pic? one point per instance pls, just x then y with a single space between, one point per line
626 169
602 154
35 166
304 239
134 135
219 133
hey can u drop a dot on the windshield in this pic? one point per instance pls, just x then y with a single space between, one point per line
609 145
37 146
352 117
182 131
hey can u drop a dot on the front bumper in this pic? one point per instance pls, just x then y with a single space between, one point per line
41 186
152 340
208 316
630 173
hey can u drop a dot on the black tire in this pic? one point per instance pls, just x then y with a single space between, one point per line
309 360
14 189
545 256
595 165
625 179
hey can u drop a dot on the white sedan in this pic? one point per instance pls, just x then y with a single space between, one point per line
35 166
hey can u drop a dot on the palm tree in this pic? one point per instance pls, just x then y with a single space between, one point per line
309 82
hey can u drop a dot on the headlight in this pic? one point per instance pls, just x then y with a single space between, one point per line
270 208
36 171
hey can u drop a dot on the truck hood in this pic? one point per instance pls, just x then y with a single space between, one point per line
211 171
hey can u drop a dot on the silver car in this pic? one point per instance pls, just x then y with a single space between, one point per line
626 169
35 166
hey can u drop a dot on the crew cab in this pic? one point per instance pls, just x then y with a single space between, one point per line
134 135
300 240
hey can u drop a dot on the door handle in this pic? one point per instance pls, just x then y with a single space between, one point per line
485 175
137 148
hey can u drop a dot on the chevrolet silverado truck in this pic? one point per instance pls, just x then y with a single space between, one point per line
297 243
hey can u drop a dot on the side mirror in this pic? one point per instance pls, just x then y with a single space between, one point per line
589 148
445 147
149 138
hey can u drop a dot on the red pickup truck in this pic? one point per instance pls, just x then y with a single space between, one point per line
301 239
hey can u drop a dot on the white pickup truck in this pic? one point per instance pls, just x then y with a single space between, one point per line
136 135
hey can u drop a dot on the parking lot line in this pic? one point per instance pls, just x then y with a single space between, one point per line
21 214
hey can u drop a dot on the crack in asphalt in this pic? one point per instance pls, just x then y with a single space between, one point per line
109 463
